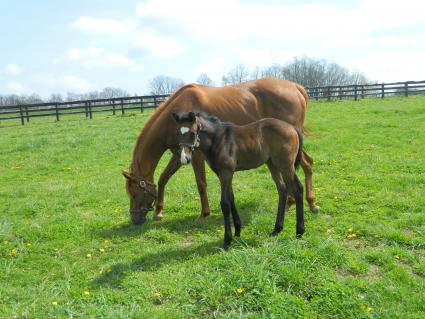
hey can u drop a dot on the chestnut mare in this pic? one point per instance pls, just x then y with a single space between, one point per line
240 104
229 148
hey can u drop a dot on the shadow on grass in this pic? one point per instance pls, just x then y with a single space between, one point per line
153 261
179 224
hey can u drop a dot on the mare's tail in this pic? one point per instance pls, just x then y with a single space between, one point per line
300 147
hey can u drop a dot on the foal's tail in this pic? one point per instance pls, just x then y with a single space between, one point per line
300 147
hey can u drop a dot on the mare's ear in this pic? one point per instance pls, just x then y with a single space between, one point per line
176 117
126 174
192 117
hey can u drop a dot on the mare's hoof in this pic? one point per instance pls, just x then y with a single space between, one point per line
156 217
315 210
202 218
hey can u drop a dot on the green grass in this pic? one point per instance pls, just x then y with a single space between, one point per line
62 197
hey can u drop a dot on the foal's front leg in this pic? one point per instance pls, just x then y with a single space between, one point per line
225 203
198 164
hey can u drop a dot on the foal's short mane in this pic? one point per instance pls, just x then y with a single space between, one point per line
213 119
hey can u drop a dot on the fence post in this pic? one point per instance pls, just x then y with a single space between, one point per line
141 104
382 90
355 92
122 107
57 112
328 92
86 108
90 112
362 92
154 101
113 107
27 114
340 92
22 115
406 89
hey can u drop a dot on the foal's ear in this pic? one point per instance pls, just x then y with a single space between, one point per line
192 117
126 174
176 117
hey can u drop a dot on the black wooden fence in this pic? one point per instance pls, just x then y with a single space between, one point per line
360 91
115 106
87 107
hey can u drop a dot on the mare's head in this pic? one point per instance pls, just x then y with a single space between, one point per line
188 127
142 195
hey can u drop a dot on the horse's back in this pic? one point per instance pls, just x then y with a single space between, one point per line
246 102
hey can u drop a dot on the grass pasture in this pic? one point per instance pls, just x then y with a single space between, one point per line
67 248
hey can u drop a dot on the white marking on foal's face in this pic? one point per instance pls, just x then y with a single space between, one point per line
183 158
184 129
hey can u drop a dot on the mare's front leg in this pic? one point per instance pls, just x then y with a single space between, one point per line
173 165
225 203
198 164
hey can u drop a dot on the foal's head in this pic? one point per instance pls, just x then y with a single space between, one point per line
187 134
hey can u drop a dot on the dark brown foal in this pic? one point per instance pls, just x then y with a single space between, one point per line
229 148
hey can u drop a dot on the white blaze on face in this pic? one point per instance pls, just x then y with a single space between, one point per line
184 129
183 158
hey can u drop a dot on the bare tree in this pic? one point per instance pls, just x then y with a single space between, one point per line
55 98
238 74
111 92
162 84
203 78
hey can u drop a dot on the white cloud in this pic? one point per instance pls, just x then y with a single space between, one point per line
158 45
12 69
63 83
15 87
78 54
104 25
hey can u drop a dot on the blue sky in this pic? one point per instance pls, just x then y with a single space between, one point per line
77 46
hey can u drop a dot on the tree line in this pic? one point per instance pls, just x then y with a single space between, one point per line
106 93
306 71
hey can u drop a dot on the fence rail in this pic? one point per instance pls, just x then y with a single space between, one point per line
25 112
359 91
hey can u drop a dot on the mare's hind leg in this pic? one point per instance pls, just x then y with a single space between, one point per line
307 165
198 164
173 165
281 188
236 219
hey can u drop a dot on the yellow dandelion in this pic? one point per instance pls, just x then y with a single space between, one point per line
88 255
397 257
369 309
86 293
239 291
102 250
12 252
106 242
54 303
29 244
350 230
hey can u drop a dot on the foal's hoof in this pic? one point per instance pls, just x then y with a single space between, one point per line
156 217
315 210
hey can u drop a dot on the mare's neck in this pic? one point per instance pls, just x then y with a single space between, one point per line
150 146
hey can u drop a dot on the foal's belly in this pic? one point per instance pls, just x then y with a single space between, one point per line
250 161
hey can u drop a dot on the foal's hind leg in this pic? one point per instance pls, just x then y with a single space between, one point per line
281 188
307 165
296 188
236 219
